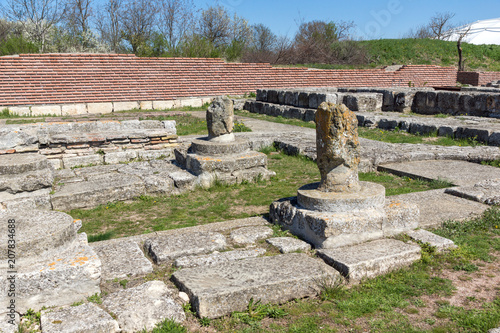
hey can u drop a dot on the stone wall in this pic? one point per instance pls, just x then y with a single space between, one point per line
99 83
71 144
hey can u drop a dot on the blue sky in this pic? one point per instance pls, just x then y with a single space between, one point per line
373 19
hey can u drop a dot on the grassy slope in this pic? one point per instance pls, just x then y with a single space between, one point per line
384 52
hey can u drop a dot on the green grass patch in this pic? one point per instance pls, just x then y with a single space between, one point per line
221 202
186 124
279 120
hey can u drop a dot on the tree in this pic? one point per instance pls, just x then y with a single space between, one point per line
109 24
440 25
462 33
36 16
177 18
215 25
77 21
264 40
139 17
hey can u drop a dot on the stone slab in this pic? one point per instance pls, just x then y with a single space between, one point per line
436 206
78 319
125 106
9 322
121 260
289 244
205 147
74 109
424 236
109 188
371 259
22 163
250 235
65 278
198 164
218 290
82 161
459 173
170 247
100 107
486 192
27 182
217 258
41 110
144 306
27 200
120 157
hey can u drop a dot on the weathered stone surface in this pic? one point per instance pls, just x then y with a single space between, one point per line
73 109
9 322
170 247
332 230
40 110
288 244
217 258
38 232
486 191
219 117
109 188
424 236
66 277
79 161
125 106
14 137
249 235
459 173
219 290
22 163
210 148
371 259
225 164
494 330
370 195
337 148
27 182
100 107
120 156
436 206
182 179
121 259
144 306
158 184
78 319
27 200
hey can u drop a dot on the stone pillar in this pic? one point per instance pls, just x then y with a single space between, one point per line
337 148
220 120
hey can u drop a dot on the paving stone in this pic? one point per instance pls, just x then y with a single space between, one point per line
121 259
424 236
486 191
289 244
170 247
109 188
95 170
436 206
221 289
22 163
217 258
143 307
460 173
78 319
120 156
78 161
371 259
249 235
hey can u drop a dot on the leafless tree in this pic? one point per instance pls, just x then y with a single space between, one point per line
139 18
108 23
36 16
420 32
440 26
177 18
462 33
264 40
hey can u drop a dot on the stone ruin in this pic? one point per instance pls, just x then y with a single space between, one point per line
221 156
341 210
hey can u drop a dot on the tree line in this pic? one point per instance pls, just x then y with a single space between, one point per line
176 28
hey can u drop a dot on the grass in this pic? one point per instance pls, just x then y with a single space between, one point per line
186 124
220 202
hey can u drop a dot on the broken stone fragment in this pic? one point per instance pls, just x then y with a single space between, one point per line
337 147
220 117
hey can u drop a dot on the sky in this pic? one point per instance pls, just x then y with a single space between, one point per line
374 19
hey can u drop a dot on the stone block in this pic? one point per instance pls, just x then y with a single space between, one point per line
292 98
170 126
78 319
303 100
9 323
89 194
119 157
20 110
121 259
217 258
218 290
448 102
272 96
158 184
183 179
481 135
79 161
169 247
155 154
142 307
100 107
193 102
388 124
224 164
18 164
371 259
261 95
427 237
363 101
447 131
27 182
422 129
249 235
485 191
41 110
288 244
125 106
165 105
73 109
146 105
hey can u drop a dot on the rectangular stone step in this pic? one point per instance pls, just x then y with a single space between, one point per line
371 259
460 173
218 290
